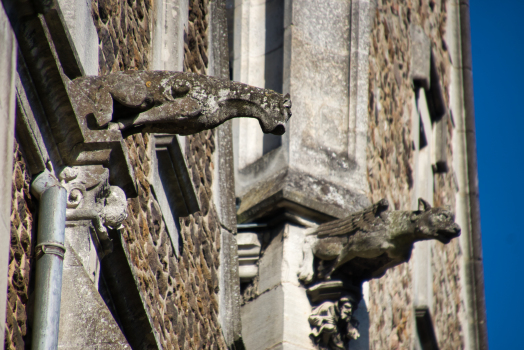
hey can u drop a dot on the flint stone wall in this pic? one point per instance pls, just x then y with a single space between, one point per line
124 30
390 161
195 38
21 262
181 294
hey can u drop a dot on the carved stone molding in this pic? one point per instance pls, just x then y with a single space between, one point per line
248 255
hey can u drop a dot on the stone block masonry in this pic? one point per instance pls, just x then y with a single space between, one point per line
21 261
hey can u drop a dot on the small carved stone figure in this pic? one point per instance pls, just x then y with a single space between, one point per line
332 323
379 239
91 197
174 102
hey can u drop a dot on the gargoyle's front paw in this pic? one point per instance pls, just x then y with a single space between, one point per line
326 276
353 334
305 275
114 126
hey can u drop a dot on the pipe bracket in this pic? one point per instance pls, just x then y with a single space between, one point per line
54 248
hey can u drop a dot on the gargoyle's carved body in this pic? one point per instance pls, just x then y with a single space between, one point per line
374 232
175 102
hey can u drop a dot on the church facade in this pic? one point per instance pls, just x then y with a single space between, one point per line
146 214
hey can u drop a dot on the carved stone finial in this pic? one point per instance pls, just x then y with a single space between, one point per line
174 102
367 243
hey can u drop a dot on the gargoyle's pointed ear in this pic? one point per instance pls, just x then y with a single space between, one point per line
382 205
287 101
423 205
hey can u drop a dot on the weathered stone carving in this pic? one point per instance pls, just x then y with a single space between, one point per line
90 119
174 102
90 197
377 238
332 323
352 250
128 102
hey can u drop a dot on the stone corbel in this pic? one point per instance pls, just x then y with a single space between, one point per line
332 322
90 197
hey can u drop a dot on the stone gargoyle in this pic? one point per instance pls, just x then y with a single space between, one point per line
174 102
371 241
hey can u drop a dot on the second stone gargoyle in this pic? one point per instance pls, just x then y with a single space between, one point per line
378 238
174 102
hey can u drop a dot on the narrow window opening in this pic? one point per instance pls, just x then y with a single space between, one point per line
423 141
425 330
274 61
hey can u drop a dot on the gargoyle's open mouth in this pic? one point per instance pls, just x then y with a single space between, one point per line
280 129
445 236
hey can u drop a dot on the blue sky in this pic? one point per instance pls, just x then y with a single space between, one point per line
498 71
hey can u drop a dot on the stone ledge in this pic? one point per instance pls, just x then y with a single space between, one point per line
299 192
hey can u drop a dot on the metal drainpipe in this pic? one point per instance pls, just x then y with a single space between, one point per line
49 253
477 269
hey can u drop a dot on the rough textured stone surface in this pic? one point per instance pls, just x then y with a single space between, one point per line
8 55
18 332
175 102
77 15
195 39
383 238
390 172
180 293
276 307
448 305
124 32
85 320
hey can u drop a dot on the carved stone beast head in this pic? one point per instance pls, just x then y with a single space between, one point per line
175 102
435 223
